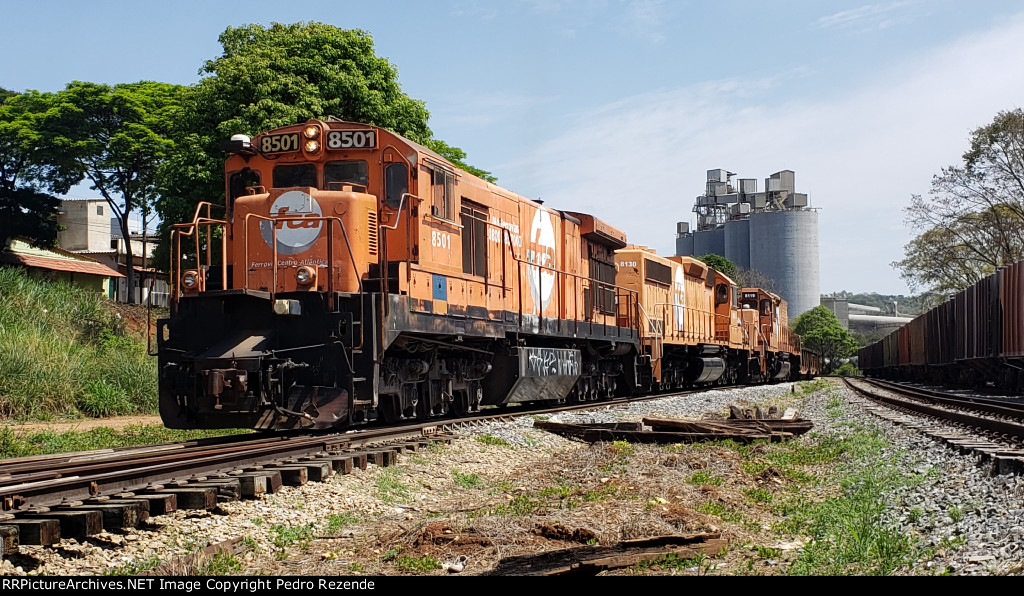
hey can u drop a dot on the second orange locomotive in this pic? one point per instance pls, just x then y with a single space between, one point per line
357 276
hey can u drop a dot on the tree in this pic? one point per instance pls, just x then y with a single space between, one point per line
720 264
972 221
25 209
275 76
822 332
114 137
752 278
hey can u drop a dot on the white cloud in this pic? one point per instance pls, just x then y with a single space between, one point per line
646 19
639 163
873 16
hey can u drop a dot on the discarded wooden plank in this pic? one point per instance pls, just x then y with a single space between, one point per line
590 560
593 434
731 425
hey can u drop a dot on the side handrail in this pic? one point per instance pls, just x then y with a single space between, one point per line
633 294
192 229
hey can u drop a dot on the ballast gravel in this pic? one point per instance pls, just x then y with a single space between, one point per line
969 521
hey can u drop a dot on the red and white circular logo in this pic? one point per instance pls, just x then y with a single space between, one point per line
293 235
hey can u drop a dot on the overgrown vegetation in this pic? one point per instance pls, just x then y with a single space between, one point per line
66 355
14 444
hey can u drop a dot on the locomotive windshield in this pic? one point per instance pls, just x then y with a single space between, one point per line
336 172
289 175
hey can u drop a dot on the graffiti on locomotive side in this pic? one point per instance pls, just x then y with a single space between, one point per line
545 362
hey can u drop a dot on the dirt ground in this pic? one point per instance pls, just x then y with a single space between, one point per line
85 424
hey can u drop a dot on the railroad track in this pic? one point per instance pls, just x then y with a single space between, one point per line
74 495
991 430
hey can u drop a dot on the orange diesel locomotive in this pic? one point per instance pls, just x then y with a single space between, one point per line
353 275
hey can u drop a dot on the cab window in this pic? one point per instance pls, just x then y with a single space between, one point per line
240 181
442 187
289 175
766 308
396 184
721 294
339 172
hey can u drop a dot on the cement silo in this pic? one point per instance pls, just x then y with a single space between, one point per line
773 232
784 246
684 239
737 242
709 242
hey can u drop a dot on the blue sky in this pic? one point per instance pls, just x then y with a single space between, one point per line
618 107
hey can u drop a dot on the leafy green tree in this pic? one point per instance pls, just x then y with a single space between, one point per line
972 221
25 209
822 332
721 264
113 137
275 76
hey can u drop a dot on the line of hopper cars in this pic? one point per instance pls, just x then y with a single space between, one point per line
974 340
354 276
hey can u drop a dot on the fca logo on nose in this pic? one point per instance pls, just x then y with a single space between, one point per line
294 224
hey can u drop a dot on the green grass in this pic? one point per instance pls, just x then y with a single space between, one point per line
389 488
847 532
491 440
135 567
285 536
15 444
519 506
337 522
220 563
700 564
417 564
466 480
702 478
65 355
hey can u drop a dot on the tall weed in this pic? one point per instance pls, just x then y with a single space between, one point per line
64 354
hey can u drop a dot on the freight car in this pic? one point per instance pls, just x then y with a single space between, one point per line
353 275
975 339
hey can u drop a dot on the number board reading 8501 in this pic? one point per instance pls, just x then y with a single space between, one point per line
351 139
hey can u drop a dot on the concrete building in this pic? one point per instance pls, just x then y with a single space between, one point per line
863 319
774 232
90 228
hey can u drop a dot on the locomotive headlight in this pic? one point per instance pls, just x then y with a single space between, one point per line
311 131
312 146
190 279
305 276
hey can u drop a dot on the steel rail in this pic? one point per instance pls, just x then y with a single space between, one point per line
39 482
1011 431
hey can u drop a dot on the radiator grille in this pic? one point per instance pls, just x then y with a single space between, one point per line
372 231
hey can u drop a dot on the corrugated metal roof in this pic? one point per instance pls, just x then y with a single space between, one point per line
73 266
